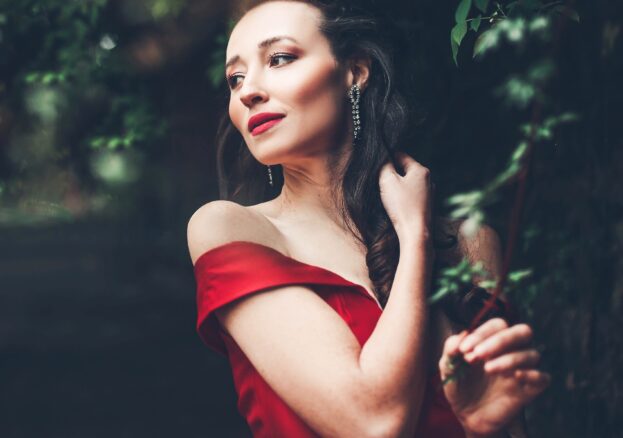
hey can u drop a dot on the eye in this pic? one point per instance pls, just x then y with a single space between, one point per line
231 80
272 59
273 56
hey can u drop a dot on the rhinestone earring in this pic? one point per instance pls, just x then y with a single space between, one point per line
270 176
354 94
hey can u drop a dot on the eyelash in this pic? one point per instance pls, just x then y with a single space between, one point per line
231 78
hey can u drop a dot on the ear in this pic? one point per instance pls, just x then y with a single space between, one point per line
359 72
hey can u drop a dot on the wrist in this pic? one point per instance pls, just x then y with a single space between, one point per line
414 235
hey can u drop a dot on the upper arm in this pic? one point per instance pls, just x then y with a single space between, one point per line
485 247
300 346
307 354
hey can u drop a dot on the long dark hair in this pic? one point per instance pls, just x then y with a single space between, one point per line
384 113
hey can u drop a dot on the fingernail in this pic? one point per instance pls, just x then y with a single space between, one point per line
489 367
469 356
466 345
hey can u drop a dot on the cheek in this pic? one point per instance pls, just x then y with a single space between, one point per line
315 96
236 114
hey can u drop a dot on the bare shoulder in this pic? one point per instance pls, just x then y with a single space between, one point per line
484 245
219 222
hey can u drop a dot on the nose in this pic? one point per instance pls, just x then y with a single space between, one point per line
251 93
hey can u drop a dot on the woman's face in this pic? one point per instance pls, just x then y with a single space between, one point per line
279 62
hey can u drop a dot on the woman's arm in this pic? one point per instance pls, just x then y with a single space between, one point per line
485 247
307 353
393 359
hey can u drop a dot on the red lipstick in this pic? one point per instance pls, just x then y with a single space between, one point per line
263 121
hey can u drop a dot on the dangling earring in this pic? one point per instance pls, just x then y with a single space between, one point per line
270 176
354 94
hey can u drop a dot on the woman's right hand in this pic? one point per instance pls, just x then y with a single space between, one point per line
407 199
499 379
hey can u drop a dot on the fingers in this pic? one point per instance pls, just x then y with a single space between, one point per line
450 349
514 360
406 161
533 378
481 333
500 342
533 382
451 346
388 167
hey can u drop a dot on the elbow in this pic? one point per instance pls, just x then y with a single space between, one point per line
395 423
382 429
370 413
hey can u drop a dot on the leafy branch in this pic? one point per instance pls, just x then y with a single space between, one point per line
510 22
515 22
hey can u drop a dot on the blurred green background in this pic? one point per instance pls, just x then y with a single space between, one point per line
108 111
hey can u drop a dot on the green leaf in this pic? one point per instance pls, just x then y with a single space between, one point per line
31 78
48 78
97 142
541 71
538 23
114 143
465 198
482 5
462 10
544 133
458 32
475 23
518 91
438 295
486 41
567 117
487 284
517 276
455 51
520 151
456 36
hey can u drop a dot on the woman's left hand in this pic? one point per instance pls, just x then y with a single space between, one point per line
500 379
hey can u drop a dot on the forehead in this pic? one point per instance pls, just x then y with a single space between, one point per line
296 19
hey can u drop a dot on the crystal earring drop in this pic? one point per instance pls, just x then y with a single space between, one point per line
354 95
270 176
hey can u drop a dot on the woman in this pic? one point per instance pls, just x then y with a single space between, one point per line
317 295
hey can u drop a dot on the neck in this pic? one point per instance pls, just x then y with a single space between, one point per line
312 189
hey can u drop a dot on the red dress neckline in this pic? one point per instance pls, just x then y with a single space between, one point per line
339 279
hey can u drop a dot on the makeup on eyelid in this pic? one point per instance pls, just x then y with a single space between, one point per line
274 55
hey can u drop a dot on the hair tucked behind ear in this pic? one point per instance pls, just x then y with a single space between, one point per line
384 114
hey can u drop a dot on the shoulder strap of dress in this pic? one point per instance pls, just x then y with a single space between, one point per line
236 269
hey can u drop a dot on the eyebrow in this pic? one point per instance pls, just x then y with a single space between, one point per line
263 44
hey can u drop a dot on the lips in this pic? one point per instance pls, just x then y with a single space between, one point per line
262 121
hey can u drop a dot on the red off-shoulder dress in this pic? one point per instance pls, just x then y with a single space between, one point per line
240 268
